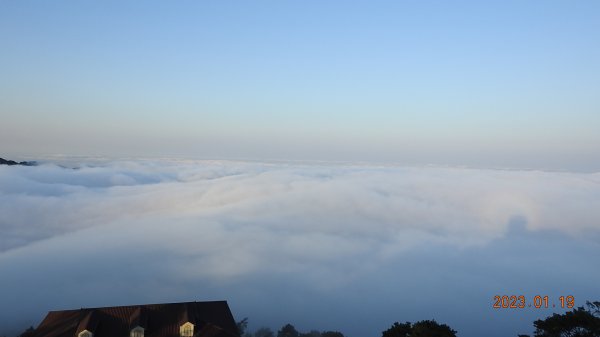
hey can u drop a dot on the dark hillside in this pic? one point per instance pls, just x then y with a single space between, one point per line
12 162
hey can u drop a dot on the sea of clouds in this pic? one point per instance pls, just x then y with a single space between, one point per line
326 246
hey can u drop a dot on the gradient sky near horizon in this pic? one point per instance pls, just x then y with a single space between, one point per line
494 84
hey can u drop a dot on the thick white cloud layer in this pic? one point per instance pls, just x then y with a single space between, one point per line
148 231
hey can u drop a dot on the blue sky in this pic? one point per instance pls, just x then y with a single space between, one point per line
494 84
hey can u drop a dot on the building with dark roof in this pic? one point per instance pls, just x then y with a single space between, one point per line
188 319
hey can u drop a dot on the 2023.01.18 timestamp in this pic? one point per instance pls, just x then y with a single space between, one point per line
537 302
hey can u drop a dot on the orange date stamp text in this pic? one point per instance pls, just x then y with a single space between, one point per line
536 302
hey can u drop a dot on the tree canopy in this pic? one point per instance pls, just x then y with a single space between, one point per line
398 330
426 328
242 326
288 330
331 334
580 322
264 332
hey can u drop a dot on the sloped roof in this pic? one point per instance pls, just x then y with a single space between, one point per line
210 319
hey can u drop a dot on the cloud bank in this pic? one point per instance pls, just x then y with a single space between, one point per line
273 238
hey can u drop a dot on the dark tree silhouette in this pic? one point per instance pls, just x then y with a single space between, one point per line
331 334
287 330
594 308
398 330
311 333
242 326
264 332
579 322
431 328
427 328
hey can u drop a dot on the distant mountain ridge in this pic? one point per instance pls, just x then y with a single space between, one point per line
12 162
